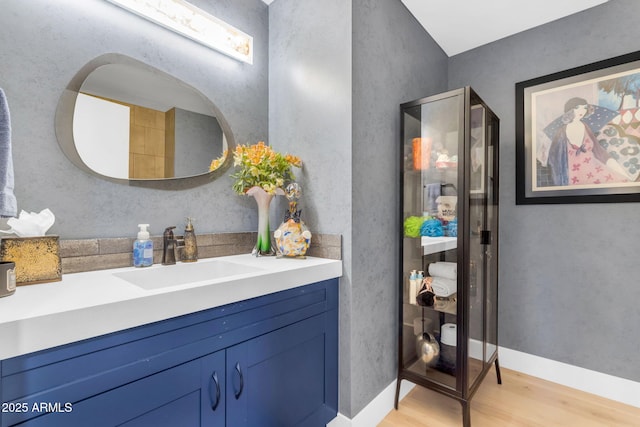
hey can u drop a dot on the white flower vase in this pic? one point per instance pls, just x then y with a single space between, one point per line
263 199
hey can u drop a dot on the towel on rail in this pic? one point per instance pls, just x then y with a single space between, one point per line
8 203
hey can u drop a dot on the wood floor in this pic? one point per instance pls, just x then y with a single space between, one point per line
520 401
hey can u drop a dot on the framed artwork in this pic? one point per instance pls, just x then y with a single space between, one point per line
578 134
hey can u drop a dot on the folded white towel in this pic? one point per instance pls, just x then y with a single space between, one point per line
8 203
447 270
444 287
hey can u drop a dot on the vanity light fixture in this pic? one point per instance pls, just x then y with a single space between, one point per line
194 23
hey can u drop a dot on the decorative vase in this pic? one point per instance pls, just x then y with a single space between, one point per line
292 237
263 199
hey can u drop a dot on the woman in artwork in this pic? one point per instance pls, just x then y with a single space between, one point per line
575 156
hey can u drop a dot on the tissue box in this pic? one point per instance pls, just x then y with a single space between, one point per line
37 259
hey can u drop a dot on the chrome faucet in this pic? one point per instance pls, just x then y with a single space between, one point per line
168 246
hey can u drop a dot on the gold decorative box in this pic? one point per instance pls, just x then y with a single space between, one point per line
37 259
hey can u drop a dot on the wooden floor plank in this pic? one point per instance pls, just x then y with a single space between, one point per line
521 401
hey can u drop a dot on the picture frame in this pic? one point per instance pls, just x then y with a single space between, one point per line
578 134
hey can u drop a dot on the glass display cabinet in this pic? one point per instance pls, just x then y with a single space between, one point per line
448 334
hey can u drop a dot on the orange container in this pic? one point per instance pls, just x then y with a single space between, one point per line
421 153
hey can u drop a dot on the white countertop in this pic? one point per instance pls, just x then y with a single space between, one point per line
86 305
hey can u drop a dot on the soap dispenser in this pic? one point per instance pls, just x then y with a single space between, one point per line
190 249
143 248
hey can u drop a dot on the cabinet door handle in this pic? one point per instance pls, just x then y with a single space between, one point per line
214 403
239 371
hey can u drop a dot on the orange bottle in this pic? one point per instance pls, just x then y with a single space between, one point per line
421 153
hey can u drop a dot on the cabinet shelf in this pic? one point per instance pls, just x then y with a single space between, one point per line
448 305
432 245
435 374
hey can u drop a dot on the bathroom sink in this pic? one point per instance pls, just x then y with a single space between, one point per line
162 276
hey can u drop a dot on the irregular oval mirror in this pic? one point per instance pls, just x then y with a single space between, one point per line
125 120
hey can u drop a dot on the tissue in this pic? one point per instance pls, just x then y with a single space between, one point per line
31 224
36 256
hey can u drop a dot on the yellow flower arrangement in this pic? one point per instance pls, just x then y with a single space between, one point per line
259 165
216 163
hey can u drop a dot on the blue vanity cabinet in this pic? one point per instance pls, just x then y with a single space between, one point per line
266 361
284 378
201 401
182 396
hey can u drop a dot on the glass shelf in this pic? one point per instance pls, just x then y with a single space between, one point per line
447 305
432 245
442 304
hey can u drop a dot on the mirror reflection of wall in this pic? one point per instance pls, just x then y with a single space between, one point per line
105 127
151 143
205 136
129 141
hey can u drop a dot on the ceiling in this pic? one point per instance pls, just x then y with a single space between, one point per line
458 26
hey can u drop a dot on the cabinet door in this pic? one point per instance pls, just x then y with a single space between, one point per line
433 209
182 396
282 378
202 407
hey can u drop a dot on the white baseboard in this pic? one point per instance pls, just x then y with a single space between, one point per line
607 386
376 410
604 385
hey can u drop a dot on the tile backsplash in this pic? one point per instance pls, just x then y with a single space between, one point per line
100 254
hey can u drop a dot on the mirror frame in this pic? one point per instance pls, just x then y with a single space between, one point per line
66 141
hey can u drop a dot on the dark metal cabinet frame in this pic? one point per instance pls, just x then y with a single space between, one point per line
449 147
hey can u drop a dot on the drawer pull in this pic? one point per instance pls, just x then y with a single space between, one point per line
216 402
239 371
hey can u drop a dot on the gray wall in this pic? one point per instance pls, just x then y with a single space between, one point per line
310 116
44 44
394 61
338 72
568 273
